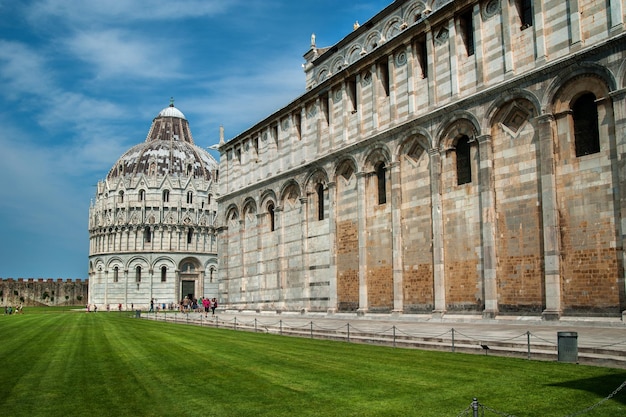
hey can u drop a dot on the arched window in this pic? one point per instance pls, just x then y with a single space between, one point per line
189 197
211 274
586 134
147 234
381 183
163 274
142 195
116 274
166 196
121 195
320 201
271 214
525 10
138 274
189 235
463 163
189 169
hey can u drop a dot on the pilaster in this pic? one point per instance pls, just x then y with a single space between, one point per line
550 218
396 238
332 243
437 225
361 206
488 225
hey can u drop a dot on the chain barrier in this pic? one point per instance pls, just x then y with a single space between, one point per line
605 399
476 409
544 340
612 344
394 335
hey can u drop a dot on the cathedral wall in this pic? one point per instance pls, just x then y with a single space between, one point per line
462 242
534 229
293 278
347 245
319 260
587 209
379 250
417 246
519 240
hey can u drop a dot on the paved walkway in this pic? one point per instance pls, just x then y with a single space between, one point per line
597 341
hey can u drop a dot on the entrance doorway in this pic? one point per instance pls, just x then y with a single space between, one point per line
187 289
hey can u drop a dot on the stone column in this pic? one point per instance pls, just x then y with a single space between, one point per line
411 53
126 289
280 270
375 88
550 217
362 235
242 248
617 11
488 225
454 61
151 276
507 27
437 224
538 27
332 249
224 273
260 266
304 230
619 112
574 24
396 238
391 70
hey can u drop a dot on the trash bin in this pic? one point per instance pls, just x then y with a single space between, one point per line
568 346
137 314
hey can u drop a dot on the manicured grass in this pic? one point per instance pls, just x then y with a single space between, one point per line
108 364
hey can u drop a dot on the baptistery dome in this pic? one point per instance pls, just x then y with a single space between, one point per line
153 239
168 149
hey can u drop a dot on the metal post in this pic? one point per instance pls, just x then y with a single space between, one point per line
475 407
235 323
348 332
394 336
311 329
528 343
281 327
453 339
255 325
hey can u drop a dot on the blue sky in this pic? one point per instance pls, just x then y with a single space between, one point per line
81 81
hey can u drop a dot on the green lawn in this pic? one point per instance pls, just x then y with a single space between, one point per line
62 363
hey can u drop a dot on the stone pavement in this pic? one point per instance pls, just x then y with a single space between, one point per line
593 341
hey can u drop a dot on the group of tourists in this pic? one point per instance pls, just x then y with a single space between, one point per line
186 305
194 305
9 310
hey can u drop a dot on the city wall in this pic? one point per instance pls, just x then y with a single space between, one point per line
43 292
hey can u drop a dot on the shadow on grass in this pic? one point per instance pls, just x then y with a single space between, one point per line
601 386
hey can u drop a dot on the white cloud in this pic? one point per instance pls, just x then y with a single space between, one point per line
22 70
121 53
123 11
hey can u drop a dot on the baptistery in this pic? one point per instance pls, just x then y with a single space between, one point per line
151 224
